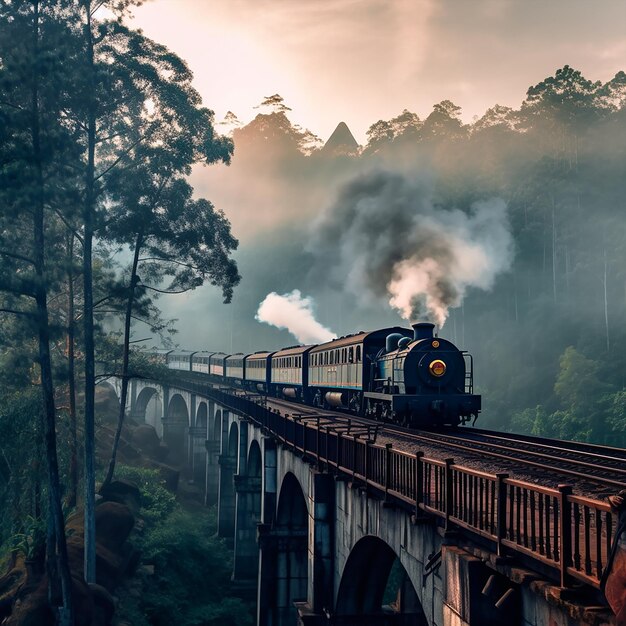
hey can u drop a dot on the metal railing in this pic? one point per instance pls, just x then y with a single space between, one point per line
568 536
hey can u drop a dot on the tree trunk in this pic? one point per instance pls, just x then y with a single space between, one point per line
90 374
126 349
71 373
66 614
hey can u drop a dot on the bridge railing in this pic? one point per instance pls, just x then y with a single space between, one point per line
569 536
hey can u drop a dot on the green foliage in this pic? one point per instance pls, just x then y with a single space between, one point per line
157 503
578 382
190 585
31 541
192 573
588 410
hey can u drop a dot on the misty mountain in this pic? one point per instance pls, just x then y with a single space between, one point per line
556 163
341 142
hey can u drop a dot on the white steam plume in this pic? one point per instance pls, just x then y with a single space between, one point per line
293 312
385 237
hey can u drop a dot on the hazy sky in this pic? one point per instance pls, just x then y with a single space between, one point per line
363 60
356 61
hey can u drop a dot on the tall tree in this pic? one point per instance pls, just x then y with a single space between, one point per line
177 242
131 95
30 72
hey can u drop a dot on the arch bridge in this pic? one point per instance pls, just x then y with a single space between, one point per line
327 527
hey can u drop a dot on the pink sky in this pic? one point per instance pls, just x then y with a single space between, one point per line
363 60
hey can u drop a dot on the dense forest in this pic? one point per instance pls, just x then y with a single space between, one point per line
548 339
100 130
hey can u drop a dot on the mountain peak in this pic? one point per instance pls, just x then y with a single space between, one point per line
342 141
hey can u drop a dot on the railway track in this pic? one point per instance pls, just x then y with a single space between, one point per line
600 466
556 457
596 468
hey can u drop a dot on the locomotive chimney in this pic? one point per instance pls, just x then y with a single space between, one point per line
422 330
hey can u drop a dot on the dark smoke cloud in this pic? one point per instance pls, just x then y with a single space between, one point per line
384 237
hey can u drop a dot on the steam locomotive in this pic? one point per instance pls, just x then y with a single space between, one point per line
394 374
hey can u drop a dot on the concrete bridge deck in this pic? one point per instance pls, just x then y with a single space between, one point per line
329 529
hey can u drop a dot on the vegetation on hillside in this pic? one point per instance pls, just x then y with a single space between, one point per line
187 581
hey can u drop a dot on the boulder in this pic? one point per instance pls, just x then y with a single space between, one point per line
104 605
145 437
114 522
123 492
34 610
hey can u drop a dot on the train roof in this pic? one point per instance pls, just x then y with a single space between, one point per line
236 355
362 337
258 355
202 353
182 352
293 350
219 355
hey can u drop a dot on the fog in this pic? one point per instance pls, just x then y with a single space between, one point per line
510 230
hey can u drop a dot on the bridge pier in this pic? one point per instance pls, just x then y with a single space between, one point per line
321 548
212 447
226 500
266 588
248 513
282 574
228 462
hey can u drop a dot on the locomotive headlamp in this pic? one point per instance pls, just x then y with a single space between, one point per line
437 368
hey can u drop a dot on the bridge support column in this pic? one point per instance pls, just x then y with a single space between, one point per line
266 590
321 547
279 573
132 399
248 508
190 443
211 494
226 499
197 439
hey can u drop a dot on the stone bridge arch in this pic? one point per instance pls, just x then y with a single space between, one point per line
248 488
375 588
107 400
149 409
290 542
228 467
202 414
197 443
213 448
177 424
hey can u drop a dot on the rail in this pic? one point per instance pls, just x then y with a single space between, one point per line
569 537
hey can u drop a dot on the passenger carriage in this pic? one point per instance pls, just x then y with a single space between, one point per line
289 372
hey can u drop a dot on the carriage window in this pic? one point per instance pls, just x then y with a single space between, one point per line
351 355
358 354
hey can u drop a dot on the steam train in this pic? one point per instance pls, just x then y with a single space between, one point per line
394 374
